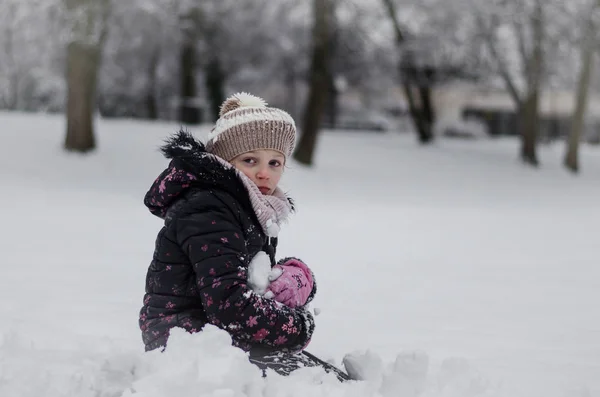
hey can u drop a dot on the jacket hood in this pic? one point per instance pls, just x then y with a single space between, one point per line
192 167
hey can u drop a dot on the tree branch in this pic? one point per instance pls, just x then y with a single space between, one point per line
502 67
391 7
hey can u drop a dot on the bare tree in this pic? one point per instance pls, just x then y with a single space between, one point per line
88 24
416 82
531 52
587 58
323 11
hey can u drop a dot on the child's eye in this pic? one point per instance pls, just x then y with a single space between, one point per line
274 163
249 160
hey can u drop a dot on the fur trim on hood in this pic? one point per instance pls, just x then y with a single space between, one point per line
192 167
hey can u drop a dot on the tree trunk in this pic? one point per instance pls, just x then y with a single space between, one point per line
426 98
332 101
83 63
319 69
417 91
290 84
427 114
587 58
151 100
414 111
215 86
331 107
189 113
529 127
82 70
530 123
12 102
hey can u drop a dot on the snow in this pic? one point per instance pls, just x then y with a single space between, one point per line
272 228
466 273
365 365
258 272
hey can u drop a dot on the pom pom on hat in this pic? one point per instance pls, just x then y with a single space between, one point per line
240 100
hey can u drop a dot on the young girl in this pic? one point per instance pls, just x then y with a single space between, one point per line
222 209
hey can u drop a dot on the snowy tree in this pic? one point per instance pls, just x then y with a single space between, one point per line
516 34
360 60
137 77
432 41
31 70
193 52
160 54
418 98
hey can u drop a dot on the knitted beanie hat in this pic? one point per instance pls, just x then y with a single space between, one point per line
246 123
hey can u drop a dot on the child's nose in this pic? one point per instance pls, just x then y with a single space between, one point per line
263 173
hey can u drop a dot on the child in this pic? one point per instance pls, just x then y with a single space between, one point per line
222 208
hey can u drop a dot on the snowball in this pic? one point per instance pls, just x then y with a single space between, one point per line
275 273
258 272
272 228
363 366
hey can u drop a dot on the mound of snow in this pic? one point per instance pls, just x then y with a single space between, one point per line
206 364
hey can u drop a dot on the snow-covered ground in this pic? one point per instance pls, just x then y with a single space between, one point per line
455 254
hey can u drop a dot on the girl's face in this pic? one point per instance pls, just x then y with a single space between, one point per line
264 167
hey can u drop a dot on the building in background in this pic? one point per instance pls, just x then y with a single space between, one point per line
496 111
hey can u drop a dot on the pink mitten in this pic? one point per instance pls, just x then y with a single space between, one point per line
295 284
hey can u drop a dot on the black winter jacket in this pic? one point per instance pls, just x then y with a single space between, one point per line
199 269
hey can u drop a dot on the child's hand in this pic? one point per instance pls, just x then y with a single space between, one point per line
291 284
